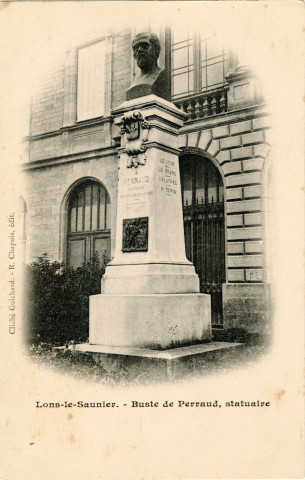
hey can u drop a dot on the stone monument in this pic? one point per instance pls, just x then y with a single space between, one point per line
150 292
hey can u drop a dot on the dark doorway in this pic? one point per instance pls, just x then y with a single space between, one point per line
203 214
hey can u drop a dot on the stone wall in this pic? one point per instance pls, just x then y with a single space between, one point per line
53 110
48 106
239 148
46 194
121 67
57 97
248 307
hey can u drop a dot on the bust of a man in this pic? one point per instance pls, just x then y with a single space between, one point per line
152 79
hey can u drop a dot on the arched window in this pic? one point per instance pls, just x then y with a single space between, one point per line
88 223
203 213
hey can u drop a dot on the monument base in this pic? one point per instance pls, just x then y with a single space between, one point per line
150 278
126 364
149 321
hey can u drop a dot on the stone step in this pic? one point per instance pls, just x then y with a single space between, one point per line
155 364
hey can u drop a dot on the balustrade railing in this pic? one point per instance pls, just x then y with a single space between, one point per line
204 104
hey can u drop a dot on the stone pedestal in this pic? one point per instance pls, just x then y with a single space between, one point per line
150 291
149 321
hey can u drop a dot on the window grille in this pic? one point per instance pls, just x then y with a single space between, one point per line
203 214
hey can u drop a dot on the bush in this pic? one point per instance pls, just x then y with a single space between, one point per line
57 300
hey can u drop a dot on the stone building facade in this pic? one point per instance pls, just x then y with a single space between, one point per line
72 170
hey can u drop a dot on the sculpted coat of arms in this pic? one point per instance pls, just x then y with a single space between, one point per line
135 128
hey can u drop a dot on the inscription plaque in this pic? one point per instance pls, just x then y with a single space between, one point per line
135 234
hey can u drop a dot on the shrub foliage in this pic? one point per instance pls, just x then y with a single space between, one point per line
57 299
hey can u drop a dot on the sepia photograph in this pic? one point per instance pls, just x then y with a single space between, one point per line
153 186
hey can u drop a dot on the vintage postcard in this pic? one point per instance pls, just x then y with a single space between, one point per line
152 288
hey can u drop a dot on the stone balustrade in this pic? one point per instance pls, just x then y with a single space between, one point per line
205 104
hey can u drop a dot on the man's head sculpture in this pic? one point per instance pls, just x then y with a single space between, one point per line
151 79
146 50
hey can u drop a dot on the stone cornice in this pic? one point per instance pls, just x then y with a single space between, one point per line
147 103
206 122
73 157
77 126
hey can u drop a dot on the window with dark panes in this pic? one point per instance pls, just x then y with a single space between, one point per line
198 63
182 64
213 63
89 214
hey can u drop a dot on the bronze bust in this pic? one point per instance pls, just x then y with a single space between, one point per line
152 79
